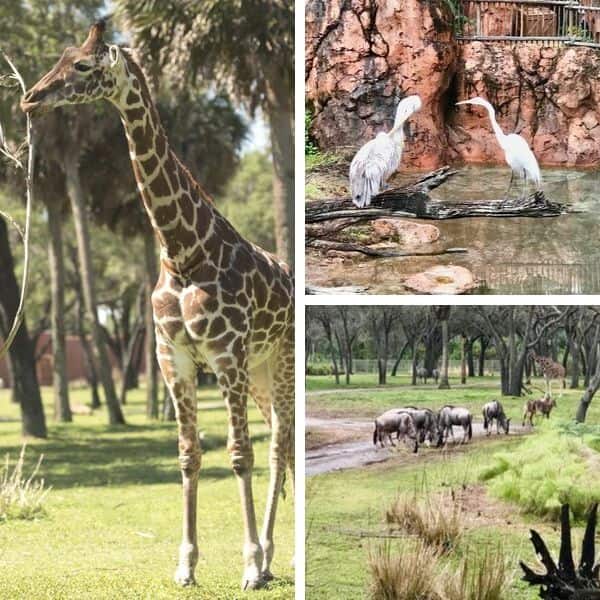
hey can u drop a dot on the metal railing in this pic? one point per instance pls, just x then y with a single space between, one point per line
569 22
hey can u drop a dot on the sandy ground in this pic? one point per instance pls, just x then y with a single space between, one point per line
335 443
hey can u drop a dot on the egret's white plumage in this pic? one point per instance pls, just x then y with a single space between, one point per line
517 152
378 159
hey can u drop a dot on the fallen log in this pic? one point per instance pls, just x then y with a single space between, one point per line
414 201
376 252
314 290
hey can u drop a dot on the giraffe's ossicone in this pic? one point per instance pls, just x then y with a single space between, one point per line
220 301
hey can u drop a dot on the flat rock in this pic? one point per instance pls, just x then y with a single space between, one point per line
408 232
442 279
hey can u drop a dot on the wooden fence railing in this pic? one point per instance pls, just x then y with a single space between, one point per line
553 21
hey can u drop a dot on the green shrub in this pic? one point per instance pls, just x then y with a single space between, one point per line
310 146
544 472
20 497
319 369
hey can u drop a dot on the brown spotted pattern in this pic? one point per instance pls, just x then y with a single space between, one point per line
219 302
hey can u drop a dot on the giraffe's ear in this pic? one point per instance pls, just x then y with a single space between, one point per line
114 55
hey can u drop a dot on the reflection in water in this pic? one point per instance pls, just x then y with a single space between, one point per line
558 255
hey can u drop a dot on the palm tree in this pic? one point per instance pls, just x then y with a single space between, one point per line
245 46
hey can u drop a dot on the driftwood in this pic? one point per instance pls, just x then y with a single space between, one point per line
564 581
376 252
414 201
314 290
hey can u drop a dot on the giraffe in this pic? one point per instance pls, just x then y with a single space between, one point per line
550 370
219 302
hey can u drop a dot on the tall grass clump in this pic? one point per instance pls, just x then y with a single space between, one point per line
420 572
409 573
480 576
21 497
544 472
436 520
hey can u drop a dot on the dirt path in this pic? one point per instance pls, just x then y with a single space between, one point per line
354 447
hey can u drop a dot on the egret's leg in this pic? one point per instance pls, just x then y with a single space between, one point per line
512 177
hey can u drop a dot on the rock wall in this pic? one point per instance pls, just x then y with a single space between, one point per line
363 56
549 95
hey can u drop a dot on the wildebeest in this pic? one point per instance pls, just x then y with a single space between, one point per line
455 415
395 421
426 423
494 410
422 374
436 374
542 405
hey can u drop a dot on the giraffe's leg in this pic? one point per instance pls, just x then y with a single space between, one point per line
232 376
179 373
281 454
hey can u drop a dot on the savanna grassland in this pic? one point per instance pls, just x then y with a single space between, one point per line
112 520
504 485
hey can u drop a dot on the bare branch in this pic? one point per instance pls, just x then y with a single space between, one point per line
9 338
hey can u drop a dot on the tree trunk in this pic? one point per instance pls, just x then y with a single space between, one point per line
25 383
150 345
382 371
129 357
62 409
88 356
586 399
414 364
481 361
433 350
463 359
574 365
444 383
504 377
397 363
282 150
470 361
76 196
11 375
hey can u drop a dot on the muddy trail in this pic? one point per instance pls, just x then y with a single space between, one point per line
352 444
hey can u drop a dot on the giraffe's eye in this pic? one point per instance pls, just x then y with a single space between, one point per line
82 67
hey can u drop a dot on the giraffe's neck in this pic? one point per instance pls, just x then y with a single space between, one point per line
180 212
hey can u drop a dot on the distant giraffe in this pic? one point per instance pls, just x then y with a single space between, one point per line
550 370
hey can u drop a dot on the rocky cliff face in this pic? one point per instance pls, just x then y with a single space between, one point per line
362 58
549 95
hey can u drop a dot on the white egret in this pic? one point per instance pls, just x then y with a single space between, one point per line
378 159
517 152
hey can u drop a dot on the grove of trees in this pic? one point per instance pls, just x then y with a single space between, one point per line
336 336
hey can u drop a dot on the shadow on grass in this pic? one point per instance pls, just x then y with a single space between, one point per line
92 460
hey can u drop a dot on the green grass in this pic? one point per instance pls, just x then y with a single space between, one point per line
113 517
364 398
343 502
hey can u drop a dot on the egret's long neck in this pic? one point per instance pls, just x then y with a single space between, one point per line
179 210
497 130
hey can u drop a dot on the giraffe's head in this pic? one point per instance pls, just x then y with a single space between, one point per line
93 71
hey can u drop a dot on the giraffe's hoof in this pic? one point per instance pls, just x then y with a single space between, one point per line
184 577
